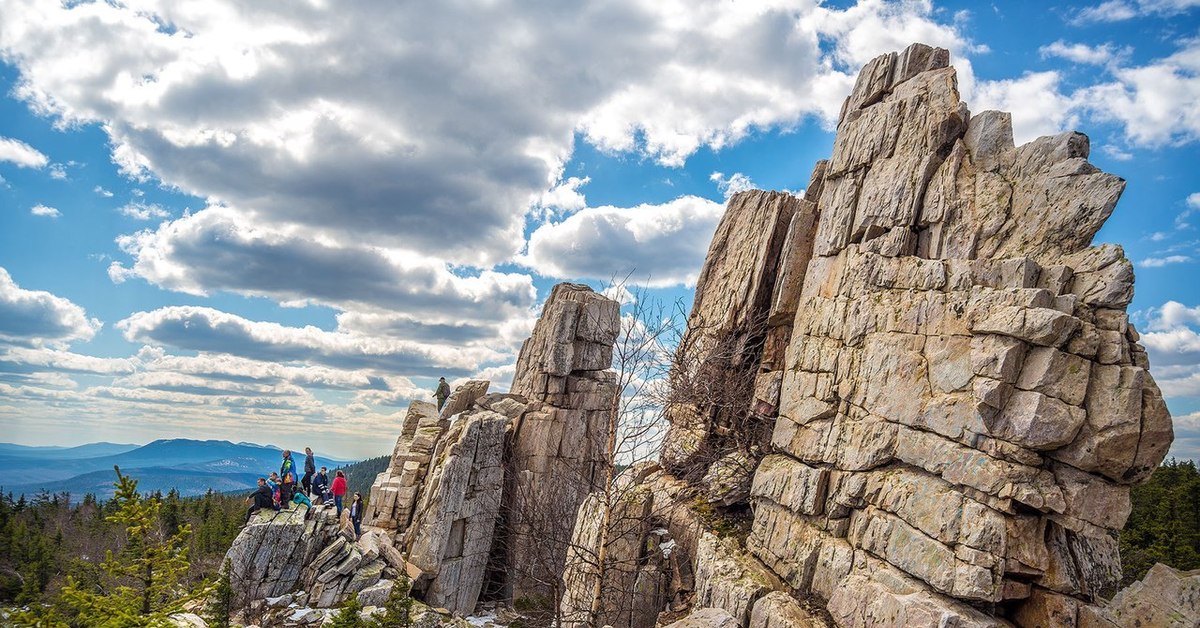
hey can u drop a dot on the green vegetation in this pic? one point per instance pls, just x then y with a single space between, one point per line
133 558
1164 526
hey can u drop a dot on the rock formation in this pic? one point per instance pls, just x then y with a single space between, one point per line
462 507
298 552
955 398
911 397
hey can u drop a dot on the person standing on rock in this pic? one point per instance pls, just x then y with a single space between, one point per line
260 499
356 513
339 490
442 393
320 485
310 468
287 478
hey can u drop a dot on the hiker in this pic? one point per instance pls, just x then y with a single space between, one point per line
299 498
356 513
310 469
320 486
273 484
442 393
338 489
287 473
261 498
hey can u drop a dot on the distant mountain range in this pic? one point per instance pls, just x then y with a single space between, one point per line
190 466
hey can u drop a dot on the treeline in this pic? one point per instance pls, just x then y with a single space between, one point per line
45 538
1164 526
360 475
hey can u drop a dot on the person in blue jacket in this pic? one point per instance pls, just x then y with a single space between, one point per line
320 485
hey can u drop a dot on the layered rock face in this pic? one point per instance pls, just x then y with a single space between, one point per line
478 498
961 400
311 554
560 447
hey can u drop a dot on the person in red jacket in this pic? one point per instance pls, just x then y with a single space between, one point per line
339 490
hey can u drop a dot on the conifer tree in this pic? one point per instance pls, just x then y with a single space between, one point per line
398 607
220 605
349 616
143 581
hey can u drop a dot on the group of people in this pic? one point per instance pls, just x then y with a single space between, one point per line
279 491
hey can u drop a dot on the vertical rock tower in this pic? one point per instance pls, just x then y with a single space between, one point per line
960 402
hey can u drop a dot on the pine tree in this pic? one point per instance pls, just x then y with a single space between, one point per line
143 579
220 605
349 616
398 607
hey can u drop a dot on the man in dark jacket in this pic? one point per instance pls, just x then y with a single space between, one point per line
310 469
320 484
261 499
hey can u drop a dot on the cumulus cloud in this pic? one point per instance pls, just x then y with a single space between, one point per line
1159 262
1083 53
434 135
734 183
102 192
654 245
44 210
1035 100
218 249
37 318
143 211
209 330
1121 10
20 153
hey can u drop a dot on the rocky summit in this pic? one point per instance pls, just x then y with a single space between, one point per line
910 396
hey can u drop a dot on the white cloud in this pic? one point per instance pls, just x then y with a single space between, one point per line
734 183
1159 262
1193 206
102 192
36 318
21 359
143 211
564 197
208 330
58 171
1083 53
259 107
1153 103
20 153
654 245
1110 11
1116 152
219 249
1038 107
1121 10
44 210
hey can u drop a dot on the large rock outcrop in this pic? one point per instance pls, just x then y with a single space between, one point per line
463 508
310 553
959 401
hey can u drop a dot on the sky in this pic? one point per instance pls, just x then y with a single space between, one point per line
284 221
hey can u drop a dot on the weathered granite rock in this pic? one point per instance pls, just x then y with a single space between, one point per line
456 518
780 610
719 357
464 396
706 618
394 492
280 554
960 402
1165 597
558 452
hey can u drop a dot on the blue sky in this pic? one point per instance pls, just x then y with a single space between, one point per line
220 221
